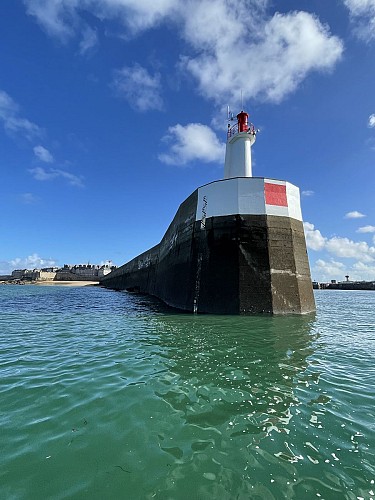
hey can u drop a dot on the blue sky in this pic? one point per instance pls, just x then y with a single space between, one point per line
113 111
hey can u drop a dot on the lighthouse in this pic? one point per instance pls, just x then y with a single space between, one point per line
240 138
235 246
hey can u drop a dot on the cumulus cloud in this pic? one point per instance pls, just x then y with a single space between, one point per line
192 142
138 87
268 63
360 7
371 121
364 270
42 174
344 247
366 229
362 13
314 238
43 154
338 246
328 270
230 44
359 256
33 261
13 122
354 215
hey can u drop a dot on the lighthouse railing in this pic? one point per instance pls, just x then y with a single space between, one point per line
234 130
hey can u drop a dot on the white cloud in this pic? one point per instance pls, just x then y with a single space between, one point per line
329 270
360 7
43 154
371 121
28 198
325 271
106 263
88 41
363 271
61 18
354 215
267 62
307 193
338 246
343 247
41 174
138 87
362 13
314 238
137 16
13 122
190 143
57 17
232 45
359 256
31 262
366 229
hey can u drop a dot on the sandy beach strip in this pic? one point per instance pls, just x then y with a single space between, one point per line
66 283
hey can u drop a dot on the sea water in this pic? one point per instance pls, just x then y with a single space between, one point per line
109 395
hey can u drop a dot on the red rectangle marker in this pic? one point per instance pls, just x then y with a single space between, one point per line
275 194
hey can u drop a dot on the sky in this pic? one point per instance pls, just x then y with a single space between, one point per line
112 112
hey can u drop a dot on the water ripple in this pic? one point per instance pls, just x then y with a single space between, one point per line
104 393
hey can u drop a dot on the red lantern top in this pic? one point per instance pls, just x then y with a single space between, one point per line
242 118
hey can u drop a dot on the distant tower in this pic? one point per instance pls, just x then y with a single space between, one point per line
240 138
347 277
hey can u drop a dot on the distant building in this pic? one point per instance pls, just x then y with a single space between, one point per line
345 285
77 272
18 273
83 272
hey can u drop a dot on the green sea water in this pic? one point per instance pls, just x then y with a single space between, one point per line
107 395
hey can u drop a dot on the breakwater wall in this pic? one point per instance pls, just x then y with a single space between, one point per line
225 264
168 269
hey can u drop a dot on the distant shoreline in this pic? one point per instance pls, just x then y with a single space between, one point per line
67 283
52 283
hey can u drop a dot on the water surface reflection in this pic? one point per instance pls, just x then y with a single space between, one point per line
231 381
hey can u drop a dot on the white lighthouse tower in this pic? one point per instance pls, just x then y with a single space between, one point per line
240 138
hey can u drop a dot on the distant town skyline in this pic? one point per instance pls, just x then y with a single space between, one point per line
113 112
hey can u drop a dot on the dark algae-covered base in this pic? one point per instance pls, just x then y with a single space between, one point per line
226 264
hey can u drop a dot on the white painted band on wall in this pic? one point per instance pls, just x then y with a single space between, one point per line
249 196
